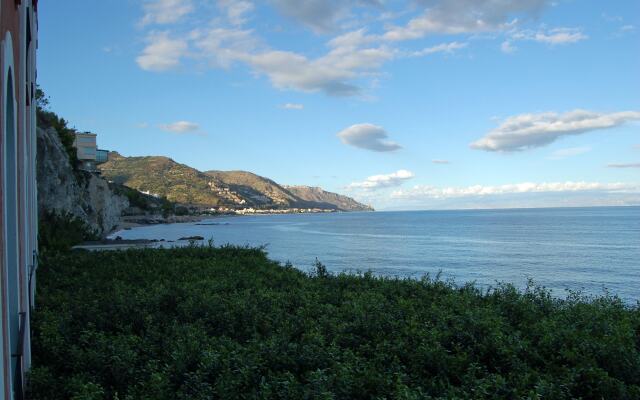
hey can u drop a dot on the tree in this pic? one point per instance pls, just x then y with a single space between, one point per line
48 119
42 100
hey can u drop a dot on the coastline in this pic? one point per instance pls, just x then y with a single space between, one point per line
135 221
459 244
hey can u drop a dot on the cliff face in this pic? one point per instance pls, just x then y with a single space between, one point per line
82 194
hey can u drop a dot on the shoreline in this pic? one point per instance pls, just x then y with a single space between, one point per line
136 221
397 244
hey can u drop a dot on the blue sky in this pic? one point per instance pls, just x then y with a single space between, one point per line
403 104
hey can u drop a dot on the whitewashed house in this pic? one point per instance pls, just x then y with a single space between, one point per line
87 151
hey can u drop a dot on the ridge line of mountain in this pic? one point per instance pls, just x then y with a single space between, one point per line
162 176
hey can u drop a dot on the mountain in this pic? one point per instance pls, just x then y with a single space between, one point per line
318 195
254 189
163 177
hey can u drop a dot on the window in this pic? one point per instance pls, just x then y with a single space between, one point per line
102 156
86 153
85 140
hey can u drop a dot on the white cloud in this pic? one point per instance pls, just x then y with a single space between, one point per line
222 47
321 16
526 131
352 60
332 73
464 16
612 18
628 165
165 11
376 182
622 28
569 152
556 36
421 192
353 39
236 10
441 48
162 52
181 127
368 137
508 47
288 70
142 125
292 106
441 161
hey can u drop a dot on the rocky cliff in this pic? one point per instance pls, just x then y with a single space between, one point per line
63 190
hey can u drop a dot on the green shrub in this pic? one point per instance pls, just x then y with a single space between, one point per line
59 232
227 323
136 198
181 210
48 119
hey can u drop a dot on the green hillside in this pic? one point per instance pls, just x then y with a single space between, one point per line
163 177
318 195
254 188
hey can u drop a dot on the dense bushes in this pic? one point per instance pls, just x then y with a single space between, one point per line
48 119
144 201
227 323
59 232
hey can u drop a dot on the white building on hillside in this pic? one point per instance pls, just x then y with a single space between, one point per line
87 150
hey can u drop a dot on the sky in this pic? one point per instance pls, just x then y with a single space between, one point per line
402 104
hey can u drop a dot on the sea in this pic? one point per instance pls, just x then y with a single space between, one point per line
594 251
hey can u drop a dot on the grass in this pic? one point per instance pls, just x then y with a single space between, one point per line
228 323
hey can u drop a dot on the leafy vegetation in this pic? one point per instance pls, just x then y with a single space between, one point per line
48 119
59 232
227 323
143 201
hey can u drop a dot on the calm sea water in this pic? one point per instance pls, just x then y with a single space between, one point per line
585 249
